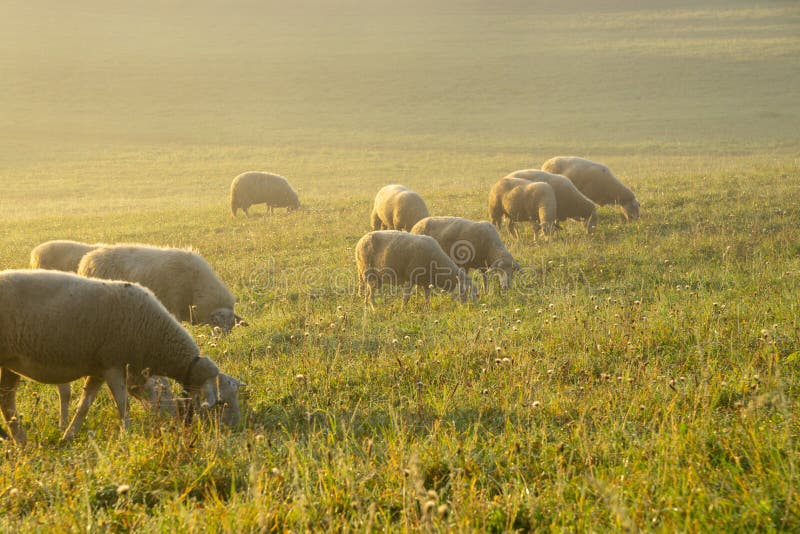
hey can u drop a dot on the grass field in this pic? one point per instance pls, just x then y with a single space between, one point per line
644 378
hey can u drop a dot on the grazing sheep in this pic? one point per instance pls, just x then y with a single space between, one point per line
596 181
64 327
397 208
521 200
570 203
181 279
262 188
471 245
60 255
65 256
394 257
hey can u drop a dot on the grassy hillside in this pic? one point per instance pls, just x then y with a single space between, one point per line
642 378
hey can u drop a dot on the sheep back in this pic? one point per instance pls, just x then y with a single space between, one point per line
59 255
181 279
256 187
596 181
397 208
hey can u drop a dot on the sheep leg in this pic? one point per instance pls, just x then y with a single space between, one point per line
8 404
427 291
375 221
115 378
64 395
512 229
485 273
406 293
91 387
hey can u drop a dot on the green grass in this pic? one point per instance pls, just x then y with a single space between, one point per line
644 378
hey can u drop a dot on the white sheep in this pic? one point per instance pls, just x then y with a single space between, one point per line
60 255
596 181
471 245
63 255
397 208
399 258
181 279
522 200
65 326
256 187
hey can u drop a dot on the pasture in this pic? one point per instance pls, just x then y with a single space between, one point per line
643 378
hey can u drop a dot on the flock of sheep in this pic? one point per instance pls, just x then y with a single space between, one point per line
110 313
438 252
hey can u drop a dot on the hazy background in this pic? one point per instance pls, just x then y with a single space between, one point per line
573 75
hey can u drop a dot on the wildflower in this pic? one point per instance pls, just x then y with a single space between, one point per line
122 489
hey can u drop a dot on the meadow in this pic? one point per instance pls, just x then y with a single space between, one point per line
643 378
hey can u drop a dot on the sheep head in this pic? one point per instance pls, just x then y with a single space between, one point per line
223 318
221 393
506 267
631 209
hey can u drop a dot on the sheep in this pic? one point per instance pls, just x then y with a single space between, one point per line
395 257
570 203
65 326
521 200
60 255
596 181
181 279
256 187
65 256
471 245
397 208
